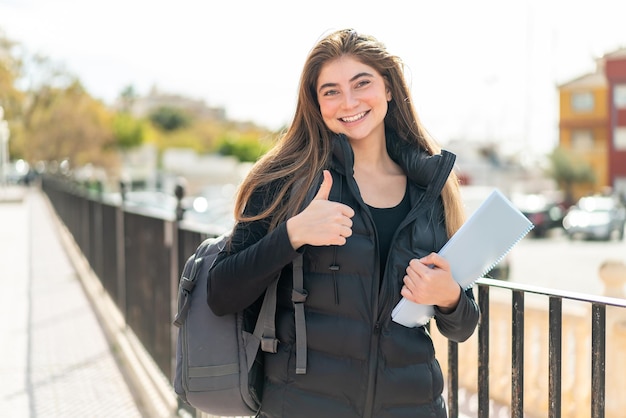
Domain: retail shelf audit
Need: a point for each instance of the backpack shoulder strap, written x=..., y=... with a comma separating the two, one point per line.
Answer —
x=298, y=297
x=265, y=328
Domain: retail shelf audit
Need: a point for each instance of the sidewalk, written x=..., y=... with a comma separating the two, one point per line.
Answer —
x=54, y=358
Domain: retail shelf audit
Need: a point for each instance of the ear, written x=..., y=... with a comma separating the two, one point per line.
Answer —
x=388, y=94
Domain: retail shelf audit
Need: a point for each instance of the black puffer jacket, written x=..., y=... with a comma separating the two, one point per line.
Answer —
x=360, y=363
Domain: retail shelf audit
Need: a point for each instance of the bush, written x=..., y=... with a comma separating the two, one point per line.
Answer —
x=245, y=149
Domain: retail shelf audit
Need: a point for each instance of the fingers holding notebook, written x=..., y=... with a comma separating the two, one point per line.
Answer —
x=429, y=281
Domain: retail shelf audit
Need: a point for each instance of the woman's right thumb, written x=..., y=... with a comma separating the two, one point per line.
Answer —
x=327, y=184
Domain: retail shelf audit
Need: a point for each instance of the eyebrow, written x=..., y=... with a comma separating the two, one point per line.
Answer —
x=362, y=74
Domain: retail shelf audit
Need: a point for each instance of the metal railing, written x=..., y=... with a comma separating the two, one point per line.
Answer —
x=138, y=259
x=518, y=293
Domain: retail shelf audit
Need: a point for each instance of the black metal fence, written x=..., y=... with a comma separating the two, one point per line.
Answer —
x=138, y=259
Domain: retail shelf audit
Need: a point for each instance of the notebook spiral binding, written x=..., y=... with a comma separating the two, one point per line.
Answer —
x=504, y=254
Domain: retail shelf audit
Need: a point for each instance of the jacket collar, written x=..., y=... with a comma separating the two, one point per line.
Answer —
x=420, y=167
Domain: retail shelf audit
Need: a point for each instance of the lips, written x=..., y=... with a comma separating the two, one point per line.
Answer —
x=354, y=118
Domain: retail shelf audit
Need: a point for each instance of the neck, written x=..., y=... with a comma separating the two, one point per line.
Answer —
x=371, y=157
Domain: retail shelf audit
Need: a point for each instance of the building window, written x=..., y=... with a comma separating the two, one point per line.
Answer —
x=582, y=102
x=582, y=140
x=619, y=138
x=619, y=96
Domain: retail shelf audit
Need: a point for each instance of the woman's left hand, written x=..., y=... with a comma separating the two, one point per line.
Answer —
x=428, y=281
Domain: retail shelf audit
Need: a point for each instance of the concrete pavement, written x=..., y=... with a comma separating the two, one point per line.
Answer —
x=55, y=360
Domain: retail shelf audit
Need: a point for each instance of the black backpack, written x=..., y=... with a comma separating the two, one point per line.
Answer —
x=218, y=365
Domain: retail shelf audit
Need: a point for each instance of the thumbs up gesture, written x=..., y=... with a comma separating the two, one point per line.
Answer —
x=323, y=222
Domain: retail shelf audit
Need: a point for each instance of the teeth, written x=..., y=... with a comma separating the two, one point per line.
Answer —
x=354, y=118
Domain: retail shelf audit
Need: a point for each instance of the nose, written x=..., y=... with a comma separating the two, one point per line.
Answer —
x=350, y=100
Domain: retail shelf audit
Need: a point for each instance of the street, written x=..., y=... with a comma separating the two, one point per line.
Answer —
x=558, y=263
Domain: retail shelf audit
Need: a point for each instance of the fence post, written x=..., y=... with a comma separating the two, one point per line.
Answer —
x=179, y=192
x=120, y=246
x=175, y=270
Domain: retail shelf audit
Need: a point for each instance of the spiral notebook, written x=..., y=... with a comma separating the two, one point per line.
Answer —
x=481, y=243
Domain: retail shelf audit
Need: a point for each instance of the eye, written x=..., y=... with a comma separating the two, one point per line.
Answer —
x=330, y=92
x=362, y=83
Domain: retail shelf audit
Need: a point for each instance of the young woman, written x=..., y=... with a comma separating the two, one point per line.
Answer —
x=384, y=201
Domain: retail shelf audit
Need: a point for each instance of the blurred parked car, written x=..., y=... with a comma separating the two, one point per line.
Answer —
x=472, y=197
x=596, y=217
x=544, y=212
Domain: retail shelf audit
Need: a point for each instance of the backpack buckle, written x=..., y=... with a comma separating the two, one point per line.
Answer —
x=186, y=284
x=299, y=296
x=269, y=345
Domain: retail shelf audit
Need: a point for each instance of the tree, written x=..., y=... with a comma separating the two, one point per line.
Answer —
x=70, y=124
x=247, y=147
x=41, y=78
x=11, y=98
x=52, y=117
x=169, y=118
x=128, y=131
x=127, y=98
x=569, y=171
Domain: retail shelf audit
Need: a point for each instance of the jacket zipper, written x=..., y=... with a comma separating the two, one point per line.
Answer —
x=377, y=290
x=371, y=380
x=373, y=351
x=380, y=292
x=334, y=267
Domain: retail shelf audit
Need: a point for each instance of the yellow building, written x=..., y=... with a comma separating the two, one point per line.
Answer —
x=592, y=123
x=583, y=119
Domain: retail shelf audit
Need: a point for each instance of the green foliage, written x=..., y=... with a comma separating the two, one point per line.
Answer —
x=67, y=123
x=52, y=117
x=181, y=138
x=128, y=131
x=246, y=148
x=566, y=168
x=11, y=99
x=169, y=118
x=568, y=171
x=127, y=97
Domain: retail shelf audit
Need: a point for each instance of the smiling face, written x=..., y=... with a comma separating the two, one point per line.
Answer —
x=353, y=98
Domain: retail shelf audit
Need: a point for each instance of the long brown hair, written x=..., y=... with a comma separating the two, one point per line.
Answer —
x=304, y=149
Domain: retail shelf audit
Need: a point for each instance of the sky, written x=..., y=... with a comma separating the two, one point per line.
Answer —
x=481, y=70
